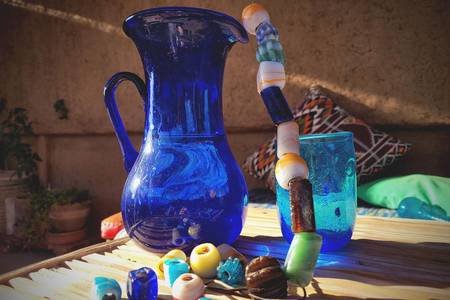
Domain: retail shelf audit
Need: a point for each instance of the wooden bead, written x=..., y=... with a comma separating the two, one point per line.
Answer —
x=288, y=138
x=288, y=167
x=265, y=278
x=188, y=287
x=204, y=260
x=253, y=15
x=270, y=74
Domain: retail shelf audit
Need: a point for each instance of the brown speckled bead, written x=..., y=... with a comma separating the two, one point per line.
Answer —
x=265, y=278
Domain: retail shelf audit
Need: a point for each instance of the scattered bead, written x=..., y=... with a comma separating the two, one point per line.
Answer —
x=288, y=167
x=231, y=271
x=287, y=138
x=188, y=287
x=270, y=50
x=265, y=278
x=142, y=284
x=159, y=267
x=266, y=31
x=111, y=226
x=253, y=15
x=204, y=260
x=176, y=253
x=276, y=105
x=302, y=257
x=174, y=268
x=105, y=288
x=271, y=73
x=227, y=251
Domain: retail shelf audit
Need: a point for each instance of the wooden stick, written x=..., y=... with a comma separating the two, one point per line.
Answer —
x=59, y=260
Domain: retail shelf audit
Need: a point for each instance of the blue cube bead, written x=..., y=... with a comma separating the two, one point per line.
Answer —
x=106, y=288
x=276, y=105
x=231, y=271
x=142, y=284
x=266, y=31
x=174, y=268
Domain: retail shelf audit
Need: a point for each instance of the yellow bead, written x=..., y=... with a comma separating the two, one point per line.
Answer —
x=159, y=267
x=176, y=253
x=204, y=260
x=288, y=167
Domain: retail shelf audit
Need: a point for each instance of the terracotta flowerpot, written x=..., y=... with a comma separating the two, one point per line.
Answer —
x=65, y=238
x=69, y=217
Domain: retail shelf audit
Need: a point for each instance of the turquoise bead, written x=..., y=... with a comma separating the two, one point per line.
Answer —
x=270, y=50
x=231, y=271
x=174, y=268
x=105, y=288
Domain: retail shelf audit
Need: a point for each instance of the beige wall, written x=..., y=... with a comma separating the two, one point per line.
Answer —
x=389, y=58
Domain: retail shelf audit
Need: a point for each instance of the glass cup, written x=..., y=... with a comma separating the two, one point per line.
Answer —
x=331, y=162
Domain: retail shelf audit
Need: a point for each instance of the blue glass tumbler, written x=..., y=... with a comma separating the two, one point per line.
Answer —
x=331, y=162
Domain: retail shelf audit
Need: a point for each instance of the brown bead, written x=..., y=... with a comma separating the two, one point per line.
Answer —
x=265, y=278
x=302, y=206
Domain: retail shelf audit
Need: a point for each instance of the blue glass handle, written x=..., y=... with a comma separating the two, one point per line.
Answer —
x=129, y=153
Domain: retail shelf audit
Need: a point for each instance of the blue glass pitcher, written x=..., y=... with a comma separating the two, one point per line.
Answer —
x=184, y=186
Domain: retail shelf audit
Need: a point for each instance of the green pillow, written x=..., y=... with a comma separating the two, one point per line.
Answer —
x=390, y=192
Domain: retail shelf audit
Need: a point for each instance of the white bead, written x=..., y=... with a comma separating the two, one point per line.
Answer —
x=258, y=81
x=271, y=73
x=188, y=287
x=289, y=167
x=287, y=138
x=253, y=15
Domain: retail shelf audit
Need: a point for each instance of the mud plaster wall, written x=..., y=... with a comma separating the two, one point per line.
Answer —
x=390, y=59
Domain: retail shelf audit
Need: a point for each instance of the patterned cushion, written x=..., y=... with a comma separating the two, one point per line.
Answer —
x=319, y=114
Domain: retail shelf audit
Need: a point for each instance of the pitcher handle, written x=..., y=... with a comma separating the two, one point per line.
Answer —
x=128, y=152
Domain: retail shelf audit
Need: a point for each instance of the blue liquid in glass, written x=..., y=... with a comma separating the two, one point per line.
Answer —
x=331, y=163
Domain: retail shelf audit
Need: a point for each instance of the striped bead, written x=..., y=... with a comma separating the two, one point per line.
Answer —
x=270, y=50
x=287, y=138
x=270, y=74
x=266, y=31
x=288, y=167
x=276, y=105
x=253, y=15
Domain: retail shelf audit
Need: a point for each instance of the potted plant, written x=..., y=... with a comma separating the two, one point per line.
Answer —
x=69, y=210
x=57, y=217
x=18, y=163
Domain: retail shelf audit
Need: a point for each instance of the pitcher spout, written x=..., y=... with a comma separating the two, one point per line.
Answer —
x=183, y=50
x=147, y=24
